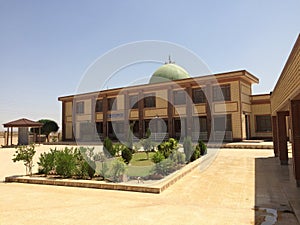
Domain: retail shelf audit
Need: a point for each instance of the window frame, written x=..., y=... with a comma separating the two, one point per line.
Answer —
x=97, y=106
x=147, y=98
x=178, y=100
x=80, y=107
x=268, y=128
x=225, y=90
x=200, y=100
x=134, y=105
x=112, y=104
x=228, y=122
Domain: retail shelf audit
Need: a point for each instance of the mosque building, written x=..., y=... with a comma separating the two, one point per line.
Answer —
x=173, y=104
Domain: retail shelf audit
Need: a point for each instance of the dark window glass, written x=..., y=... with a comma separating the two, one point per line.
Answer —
x=133, y=102
x=223, y=123
x=149, y=101
x=99, y=127
x=99, y=106
x=221, y=93
x=112, y=104
x=80, y=107
x=179, y=98
x=199, y=96
x=263, y=123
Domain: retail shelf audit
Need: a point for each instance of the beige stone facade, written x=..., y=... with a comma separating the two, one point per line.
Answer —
x=285, y=109
x=186, y=107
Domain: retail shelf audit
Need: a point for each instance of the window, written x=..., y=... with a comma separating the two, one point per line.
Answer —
x=149, y=101
x=80, y=107
x=199, y=124
x=223, y=123
x=99, y=127
x=99, y=106
x=133, y=102
x=221, y=93
x=199, y=96
x=112, y=104
x=263, y=123
x=179, y=98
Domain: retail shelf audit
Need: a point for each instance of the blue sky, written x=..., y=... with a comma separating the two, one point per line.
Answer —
x=46, y=46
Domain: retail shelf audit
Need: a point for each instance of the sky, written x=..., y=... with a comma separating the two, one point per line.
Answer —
x=47, y=46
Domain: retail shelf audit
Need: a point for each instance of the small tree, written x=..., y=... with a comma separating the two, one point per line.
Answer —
x=108, y=149
x=147, y=143
x=25, y=154
x=118, y=169
x=188, y=148
x=48, y=127
x=126, y=155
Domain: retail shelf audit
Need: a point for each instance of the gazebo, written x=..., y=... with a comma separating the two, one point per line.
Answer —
x=23, y=134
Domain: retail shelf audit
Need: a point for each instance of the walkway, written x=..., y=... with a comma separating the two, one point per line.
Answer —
x=225, y=193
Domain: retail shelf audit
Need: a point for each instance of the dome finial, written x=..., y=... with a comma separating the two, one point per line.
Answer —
x=170, y=61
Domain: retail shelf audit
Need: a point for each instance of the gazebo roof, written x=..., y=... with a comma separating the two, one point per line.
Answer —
x=23, y=123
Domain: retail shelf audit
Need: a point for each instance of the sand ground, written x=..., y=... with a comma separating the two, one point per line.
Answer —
x=225, y=193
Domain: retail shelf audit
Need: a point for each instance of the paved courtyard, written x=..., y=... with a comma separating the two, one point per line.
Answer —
x=225, y=193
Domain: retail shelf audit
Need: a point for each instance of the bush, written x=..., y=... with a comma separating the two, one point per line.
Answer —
x=157, y=157
x=202, y=147
x=195, y=154
x=108, y=149
x=85, y=167
x=188, y=147
x=178, y=157
x=126, y=155
x=147, y=145
x=25, y=154
x=165, y=167
x=47, y=161
x=65, y=162
x=118, y=148
x=104, y=170
x=118, y=169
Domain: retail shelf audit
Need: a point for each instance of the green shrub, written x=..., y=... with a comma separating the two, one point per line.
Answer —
x=108, y=149
x=165, y=167
x=147, y=145
x=203, y=147
x=126, y=155
x=165, y=149
x=173, y=143
x=195, y=154
x=85, y=163
x=178, y=157
x=104, y=170
x=118, y=169
x=188, y=147
x=47, y=161
x=117, y=148
x=25, y=154
x=157, y=157
x=66, y=162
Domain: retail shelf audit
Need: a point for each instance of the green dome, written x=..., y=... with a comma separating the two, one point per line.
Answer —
x=168, y=72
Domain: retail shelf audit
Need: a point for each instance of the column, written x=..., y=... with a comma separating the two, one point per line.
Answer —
x=208, y=95
x=189, y=111
x=275, y=137
x=141, y=113
x=126, y=115
x=105, y=109
x=295, y=112
x=170, y=113
x=282, y=137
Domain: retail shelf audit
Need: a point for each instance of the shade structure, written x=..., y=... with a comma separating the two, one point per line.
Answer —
x=21, y=124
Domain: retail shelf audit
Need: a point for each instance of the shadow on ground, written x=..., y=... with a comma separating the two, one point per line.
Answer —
x=277, y=199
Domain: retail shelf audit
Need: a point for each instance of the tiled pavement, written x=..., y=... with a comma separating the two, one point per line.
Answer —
x=234, y=189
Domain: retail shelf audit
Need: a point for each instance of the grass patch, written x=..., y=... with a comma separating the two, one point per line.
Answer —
x=140, y=159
